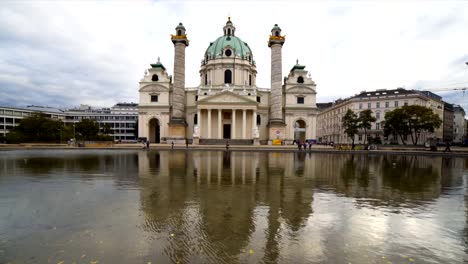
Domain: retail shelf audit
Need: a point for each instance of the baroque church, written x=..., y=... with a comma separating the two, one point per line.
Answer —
x=227, y=105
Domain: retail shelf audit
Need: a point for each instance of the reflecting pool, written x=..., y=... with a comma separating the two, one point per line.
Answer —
x=135, y=206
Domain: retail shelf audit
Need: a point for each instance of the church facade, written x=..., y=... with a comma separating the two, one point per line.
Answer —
x=227, y=104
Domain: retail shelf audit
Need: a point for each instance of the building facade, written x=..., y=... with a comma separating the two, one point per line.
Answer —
x=122, y=118
x=227, y=104
x=381, y=101
x=458, y=125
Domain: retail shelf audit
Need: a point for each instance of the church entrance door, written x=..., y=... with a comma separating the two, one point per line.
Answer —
x=299, y=131
x=154, y=133
x=227, y=131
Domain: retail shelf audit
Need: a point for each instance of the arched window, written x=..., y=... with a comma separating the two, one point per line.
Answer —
x=259, y=120
x=300, y=79
x=277, y=33
x=155, y=78
x=179, y=32
x=206, y=79
x=227, y=76
x=250, y=80
x=229, y=31
x=195, y=119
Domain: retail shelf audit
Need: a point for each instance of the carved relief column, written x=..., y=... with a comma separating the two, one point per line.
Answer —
x=233, y=124
x=177, y=123
x=276, y=123
x=220, y=136
x=244, y=124
x=209, y=123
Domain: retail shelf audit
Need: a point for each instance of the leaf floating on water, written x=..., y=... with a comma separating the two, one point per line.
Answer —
x=411, y=259
x=60, y=262
x=94, y=262
x=172, y=234
x=251, y=251
x=82, y=256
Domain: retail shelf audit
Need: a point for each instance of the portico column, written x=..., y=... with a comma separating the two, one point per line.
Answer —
x=233, y=123
x=199, y=121
x=244, y=124
x=209, y=123
x=254, y=120
x=219, y=124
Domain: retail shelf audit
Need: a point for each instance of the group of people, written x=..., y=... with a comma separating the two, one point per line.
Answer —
x=304, y=144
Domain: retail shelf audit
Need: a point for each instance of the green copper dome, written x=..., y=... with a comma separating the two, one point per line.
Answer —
x=239, y=47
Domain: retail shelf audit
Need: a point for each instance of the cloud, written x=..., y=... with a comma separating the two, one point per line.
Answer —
x=67, y=53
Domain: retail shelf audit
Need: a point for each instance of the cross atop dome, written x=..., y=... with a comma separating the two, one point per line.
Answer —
x=229, y=29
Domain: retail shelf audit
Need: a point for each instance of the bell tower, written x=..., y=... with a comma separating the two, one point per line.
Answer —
x=177, y=124
x=276, y=123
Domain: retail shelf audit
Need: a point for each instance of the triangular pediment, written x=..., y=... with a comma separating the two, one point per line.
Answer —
x=227, y=97
x=153, y=88
x=301, y=90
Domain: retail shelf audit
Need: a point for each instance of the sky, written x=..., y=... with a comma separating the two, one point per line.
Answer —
x=67, y=53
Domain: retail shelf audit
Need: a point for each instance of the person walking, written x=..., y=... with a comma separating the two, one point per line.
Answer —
x=227, y=144
x=186, y=143
x=447, y=147
x=172, y=145
x=147, y=144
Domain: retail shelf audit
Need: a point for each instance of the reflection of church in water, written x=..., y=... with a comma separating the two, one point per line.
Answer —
x=218, y=196
x=227, y=104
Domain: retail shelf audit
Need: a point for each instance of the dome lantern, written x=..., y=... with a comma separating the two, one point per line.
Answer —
x=229, y=28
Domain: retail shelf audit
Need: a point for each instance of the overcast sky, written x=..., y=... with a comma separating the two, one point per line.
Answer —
x=95, y=52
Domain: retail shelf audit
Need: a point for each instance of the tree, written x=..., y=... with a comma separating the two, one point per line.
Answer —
x=396, y=123
x=350, y=124
x=365, y=121
x=421, y=119
x=411, y=120
x=36, y=128
x=87, y=129
x=106, y=129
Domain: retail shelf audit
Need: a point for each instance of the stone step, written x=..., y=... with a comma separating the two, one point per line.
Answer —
x=205, y=141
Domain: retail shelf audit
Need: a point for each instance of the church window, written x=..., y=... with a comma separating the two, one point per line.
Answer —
x=196, y=98
x=250, y=80
x=229, y=31
x=206, y=79
x=259, y=120
x=228, y=53
x=155, y=78
x=195, y=119
x=258, y=99
x=227, y=76
x=277, y=33
x=154, y=98
x=300, y=79
x=179, y=32
x=300, y=100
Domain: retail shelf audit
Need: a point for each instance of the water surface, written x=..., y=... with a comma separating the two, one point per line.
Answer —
x=231, y=207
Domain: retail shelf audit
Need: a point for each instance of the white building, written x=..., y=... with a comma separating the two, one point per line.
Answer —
x=122, y=117
x=227, y=104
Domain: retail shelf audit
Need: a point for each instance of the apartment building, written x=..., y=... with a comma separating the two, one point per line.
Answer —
x=329, y=120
